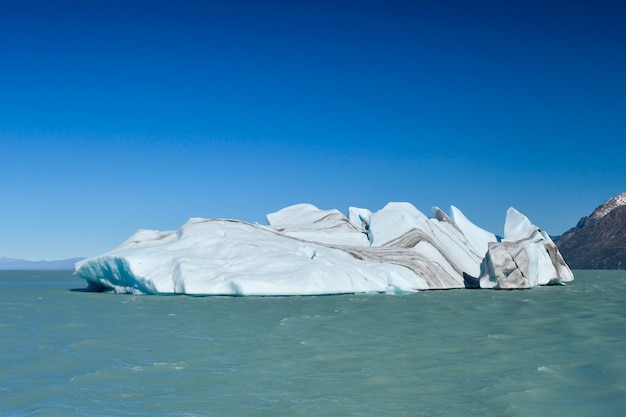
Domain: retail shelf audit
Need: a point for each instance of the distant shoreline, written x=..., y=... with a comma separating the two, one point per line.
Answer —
x=13, y=264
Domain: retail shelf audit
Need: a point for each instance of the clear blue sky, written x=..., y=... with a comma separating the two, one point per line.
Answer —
x=121, y=115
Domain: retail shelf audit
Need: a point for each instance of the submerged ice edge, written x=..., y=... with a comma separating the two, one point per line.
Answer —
x=307, y=251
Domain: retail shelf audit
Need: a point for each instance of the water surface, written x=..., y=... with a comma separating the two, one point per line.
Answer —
x=549, y=351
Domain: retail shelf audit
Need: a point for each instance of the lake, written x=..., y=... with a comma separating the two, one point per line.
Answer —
x=548, y=351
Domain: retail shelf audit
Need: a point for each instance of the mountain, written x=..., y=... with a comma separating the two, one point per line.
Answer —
x=15, y=264
x=599, y=240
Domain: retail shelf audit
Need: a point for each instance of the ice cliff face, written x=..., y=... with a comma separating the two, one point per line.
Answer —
x=308, y=251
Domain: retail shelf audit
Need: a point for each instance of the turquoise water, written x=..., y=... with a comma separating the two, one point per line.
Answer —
x=549, y=351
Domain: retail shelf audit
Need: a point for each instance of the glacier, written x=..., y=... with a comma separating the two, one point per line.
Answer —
x=304, y=250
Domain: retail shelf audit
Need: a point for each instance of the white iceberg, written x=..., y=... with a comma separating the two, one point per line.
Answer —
x=307, y=251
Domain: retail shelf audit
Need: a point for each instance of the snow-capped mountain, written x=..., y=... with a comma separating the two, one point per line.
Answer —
x=599, y=240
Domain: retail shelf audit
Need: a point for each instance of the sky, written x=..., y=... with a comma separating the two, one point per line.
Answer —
x=124, y=115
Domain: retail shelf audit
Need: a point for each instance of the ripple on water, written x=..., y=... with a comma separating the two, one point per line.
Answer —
x=549, y=351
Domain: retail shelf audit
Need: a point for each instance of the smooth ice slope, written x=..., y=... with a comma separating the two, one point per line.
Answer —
x=308, y=251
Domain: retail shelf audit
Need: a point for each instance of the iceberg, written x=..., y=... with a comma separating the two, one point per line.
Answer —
x=304, y=250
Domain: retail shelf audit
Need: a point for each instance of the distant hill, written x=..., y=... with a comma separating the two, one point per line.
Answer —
x=21, y=264
x=599, y=240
